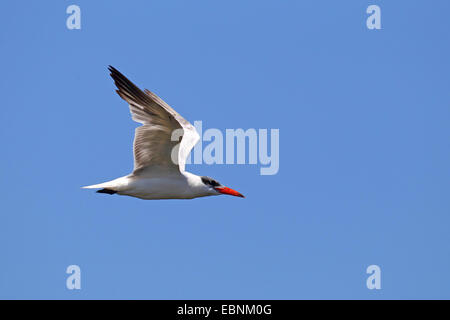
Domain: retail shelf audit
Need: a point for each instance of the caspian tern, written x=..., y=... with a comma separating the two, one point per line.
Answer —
x=155, y=175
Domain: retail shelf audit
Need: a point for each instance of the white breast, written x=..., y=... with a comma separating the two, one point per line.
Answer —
x=181, y=186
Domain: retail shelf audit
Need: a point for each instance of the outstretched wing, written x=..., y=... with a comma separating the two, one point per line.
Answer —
x=153, y=145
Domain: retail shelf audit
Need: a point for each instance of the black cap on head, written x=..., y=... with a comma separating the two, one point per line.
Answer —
x=210, y=182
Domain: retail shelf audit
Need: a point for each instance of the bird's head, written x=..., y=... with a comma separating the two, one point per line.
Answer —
x=216, y=188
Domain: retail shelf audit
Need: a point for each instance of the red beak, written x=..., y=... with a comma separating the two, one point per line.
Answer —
x=229, y=191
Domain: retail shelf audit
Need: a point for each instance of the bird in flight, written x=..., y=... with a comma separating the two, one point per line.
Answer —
x=157, y=173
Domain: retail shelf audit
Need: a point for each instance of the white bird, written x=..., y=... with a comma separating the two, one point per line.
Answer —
x=155, y=174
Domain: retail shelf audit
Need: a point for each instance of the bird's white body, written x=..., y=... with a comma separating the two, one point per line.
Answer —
x=181, y=185
x=159, y=159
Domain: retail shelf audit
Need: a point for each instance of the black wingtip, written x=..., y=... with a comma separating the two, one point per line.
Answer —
x=112, y=69
x=114, y=73
x=127, y=90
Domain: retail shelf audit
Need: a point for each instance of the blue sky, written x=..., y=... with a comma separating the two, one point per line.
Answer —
x=364, y=150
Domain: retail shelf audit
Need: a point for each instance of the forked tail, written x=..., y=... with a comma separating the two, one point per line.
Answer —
x=106, y=187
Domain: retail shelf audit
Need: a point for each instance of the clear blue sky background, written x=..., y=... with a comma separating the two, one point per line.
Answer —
x=364, y=149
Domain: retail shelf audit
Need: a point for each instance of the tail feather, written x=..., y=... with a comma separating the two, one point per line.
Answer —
x=109, y=187
x=98, y=186
x=104, y=188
